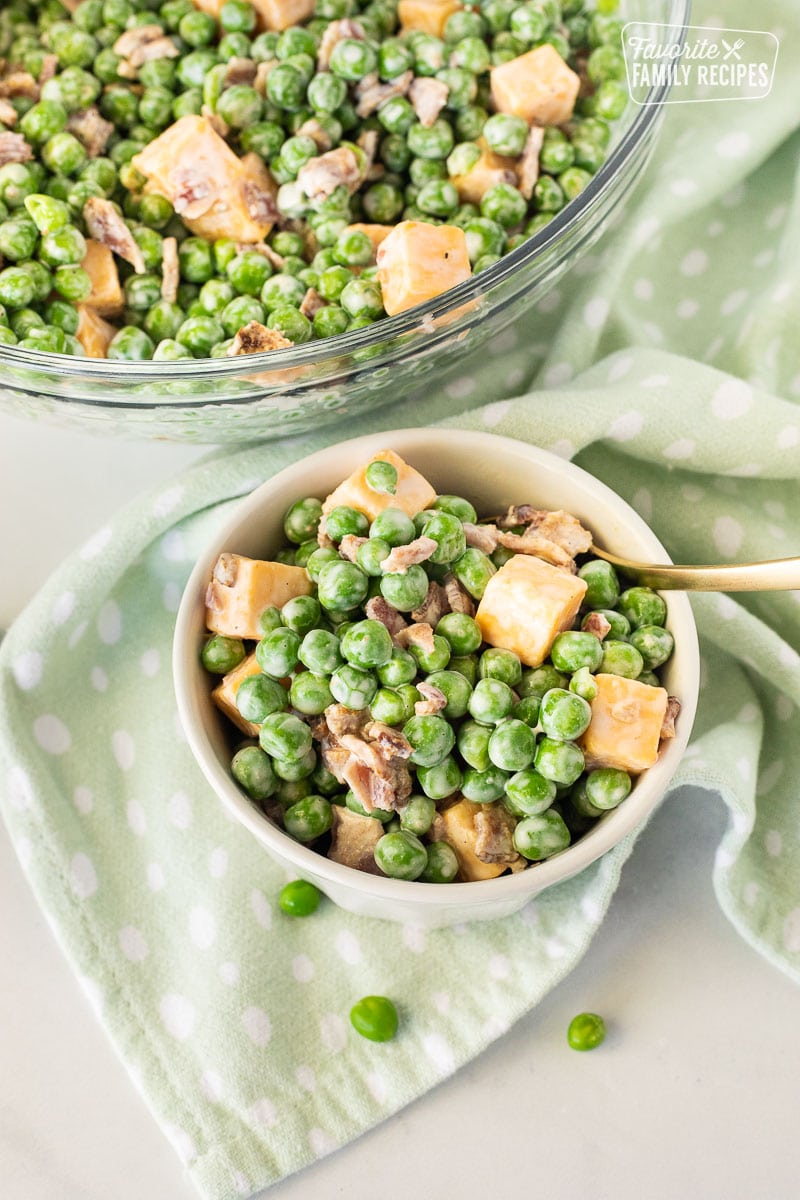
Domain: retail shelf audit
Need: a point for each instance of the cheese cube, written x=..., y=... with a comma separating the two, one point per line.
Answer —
x=94, y=334
x=489, y=169
x=413, y=490
x=429, y=16
x=537, y=86
x=418, y=261
x=456, y=826
x=211, y=188
x=270, y=14
x=106, y=294
x=376, y=233
x=526, y=605
x=212, y=7
x=625, y=728
x=224, y=694
x=241, y=588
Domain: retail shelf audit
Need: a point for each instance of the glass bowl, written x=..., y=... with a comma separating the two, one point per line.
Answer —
x=292, y=391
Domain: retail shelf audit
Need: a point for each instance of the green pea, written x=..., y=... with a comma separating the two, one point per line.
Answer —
x=388, y=706
x=381, y=476
x=320, y=651
x=642, y=606
x=367, y=644
x=301, y=614
x=400, y=669
x=352, y=687
x=564, y=715
x=620, y=626
x=440, y=781
x=325, y=783
x=432, y=739
x=341, y=585
x=607, y=787
x=491, y=701
x=473, y=744
x=541, y=836
x=310, y=693
x=416, y=816
x=344, y=520
x=512, y=745
x=650, y=678
x=221, y=654
x=602, y=584
x=466, y=665
x=560, y=762
x=375, y=1018
x=400, y=855
x=394, y=527
x=308, y=819
x=572, y=651
x=257, y=697
x=319, y=559
x=460, y=631
x=583, y=684
x=528, y=793
x=284, y=736
x=457, y=692
x=430, y=661
x=299, y=898
x=506, y=134
x=538, y=680
x=586, y=1031
x=473, y=570
x=277, y=652
x=500, y=664
x=351, y=60
x=128, y=344
x=621, y=658
x=654, y=643
x=252, y=768
x=581, y=803
x=484, y=787
x=270, y=619
x=448, y=533
x=296, y=769
x=407, y=591
x=371, y=554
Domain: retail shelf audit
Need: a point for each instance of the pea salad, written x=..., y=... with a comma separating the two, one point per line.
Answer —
x=187, y=179
x=425, y=695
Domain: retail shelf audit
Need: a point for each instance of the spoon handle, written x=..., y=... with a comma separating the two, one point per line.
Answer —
x=782, y=574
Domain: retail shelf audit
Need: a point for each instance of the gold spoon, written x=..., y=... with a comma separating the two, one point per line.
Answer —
x=781, y=574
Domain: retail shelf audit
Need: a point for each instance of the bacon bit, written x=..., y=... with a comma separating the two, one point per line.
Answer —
x=528, y=165
x=368, y=142
x=277, y=260
x=434, y=606
x=319, y=177
x=482, y=537
x=19, y=83
x=255, y=338
x=377, y=781
x=91, y=129
x=670, y=716
x=517, y=514
x=262, y=71
x=323, y=540
x=435, y=700
x=142, y=44
x=392, y=743
x=371, y=93
x=336, y=32
x=401, y=558
x=215, y=121
x=563, y=529
x=531, y=542
x=50, y=64
x=419, y=634
x=341, y=720
x=170, y=270
x=14, y=149
x=597, y=624
x=8, y=114
x=259, y=202
x=312, y=129
x=428, y=96
x=378, y=609
x=494, y=828
x=458, y=597
x=312, y=303
x=357, y=775
x=350, y=545
x=193, y=192
x=105, y=225
x=239, y=70
x=365, y=752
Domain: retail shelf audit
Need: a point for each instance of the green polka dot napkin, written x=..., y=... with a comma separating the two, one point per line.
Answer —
x=666, y=364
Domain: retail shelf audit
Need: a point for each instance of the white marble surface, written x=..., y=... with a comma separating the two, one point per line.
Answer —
x=693, y=1095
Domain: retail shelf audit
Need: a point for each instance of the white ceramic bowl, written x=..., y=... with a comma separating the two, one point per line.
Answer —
x=493, y=472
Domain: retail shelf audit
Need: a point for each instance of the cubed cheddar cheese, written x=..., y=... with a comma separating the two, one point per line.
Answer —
x=428, y=16
x=489, y=170
x=412, y=495
x=270, y=14
x=526, y=604
x=456, y=826
x=94, y=334
x=376, y=233
x=537, y=86
x=190, y=159
x=418, y=261
x=224, y=694
x=106, y=294
x=625, y=728
x=241, y=588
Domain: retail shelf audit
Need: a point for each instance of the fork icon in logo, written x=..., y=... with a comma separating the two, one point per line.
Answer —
x=733, y=49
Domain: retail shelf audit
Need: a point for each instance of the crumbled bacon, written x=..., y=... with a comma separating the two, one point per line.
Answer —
x=371, y=93
x=597, y=624
x=19, y=83
x=193, y=192
x=528, y=165
x=262, y=71
x=143, y=43
x=434, y=700
x=428, y=96
x=378, y=609
x=215, y=121
x=341, y=720
x=272, y=256
x=319, y=177
x=49, y=64
x=8, y=114
x=400, y=558
x=312, y=302
x=312, y=129
x=336, y=32
x=240, y=70
x=494, y=828
x=517, y=514
x=563, y=529
x=368, y=143
x=259, y=202
x=376, y=771
x=350, y=545
x=670, y=716
x=392, y=743
x=434, y=606
x=91, y=129
x=532, y=542
x=482, y=537
x=458, y=597
x=420, y=634
x=170, y=270
x=105, y=224
x=255, y=338
x=14, y=149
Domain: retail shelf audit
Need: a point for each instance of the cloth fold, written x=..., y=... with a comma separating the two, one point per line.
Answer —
x=666, y=364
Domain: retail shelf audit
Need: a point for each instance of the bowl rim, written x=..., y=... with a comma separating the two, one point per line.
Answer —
x=341, y=345
x=610, y=830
